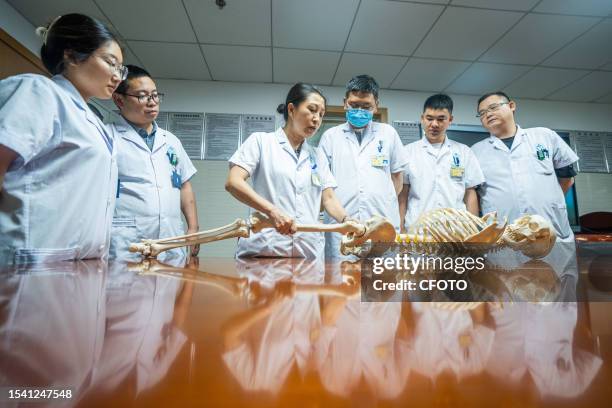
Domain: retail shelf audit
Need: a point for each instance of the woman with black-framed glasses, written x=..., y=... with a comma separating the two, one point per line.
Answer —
x=58, y=175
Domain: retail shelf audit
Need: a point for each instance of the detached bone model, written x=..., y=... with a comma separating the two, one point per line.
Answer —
x=530, y=234
x=375, y=230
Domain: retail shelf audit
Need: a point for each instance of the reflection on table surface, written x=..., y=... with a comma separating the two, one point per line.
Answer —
x=280, y=332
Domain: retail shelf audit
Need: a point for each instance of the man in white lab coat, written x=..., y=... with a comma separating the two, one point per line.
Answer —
x=440, y=172
x=154, y=170
x=366, y=158
x=527, y=171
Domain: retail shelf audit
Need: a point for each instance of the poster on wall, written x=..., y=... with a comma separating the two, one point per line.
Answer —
x=608, y=144
x=255, y=123
x=408, y=131
x=590, y=149
x=188, y=127
x=222, y=135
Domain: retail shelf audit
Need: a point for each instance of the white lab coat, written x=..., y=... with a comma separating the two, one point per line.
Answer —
x=285, y=180
x=148, y=206
x=364, y=189
x=519, y=183
x=429, y=175
x=58, y=195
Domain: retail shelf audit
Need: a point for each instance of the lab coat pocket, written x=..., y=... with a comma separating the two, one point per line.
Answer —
x=123, y=233
x=35, y=255
x=124, y=222
x=545, y=167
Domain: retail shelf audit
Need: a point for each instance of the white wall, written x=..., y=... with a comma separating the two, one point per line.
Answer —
x=19, y=28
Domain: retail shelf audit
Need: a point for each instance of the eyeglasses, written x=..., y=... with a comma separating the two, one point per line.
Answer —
x=115, y=69
x=142, y=99
x=491, y=108
x=364, y=107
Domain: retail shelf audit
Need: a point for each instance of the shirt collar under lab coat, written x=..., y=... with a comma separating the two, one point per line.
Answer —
x=78, y=100
x=518, y=139
x=368, y=133
x=127, y=131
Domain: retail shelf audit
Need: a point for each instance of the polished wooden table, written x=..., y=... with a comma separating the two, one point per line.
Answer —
x=289, y=332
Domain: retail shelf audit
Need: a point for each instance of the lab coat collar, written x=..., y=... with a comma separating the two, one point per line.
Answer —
x=78, y=100
x=498, y=144
x=445, y=148
x=368, y=134
x=282, y=139
x=127, y=131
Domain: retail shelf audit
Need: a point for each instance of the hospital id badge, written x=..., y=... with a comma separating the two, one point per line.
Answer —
x=380, y=160
x=315, y=179
x=176, y=179
x=456, y=173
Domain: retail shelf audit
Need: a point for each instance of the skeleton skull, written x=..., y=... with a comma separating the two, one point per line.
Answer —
x=531, y=234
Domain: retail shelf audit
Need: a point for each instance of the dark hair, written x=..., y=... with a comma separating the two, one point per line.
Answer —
x=133, y=73
x=439, y=102
x=362, y=83
x=298, y=94
x=78, y=34
x=485, y=96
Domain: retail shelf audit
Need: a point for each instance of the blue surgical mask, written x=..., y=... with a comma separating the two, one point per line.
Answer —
x=359, y=117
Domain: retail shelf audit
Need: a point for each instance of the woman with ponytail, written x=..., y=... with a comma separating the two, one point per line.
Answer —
x=291, y=180
x=58, y=176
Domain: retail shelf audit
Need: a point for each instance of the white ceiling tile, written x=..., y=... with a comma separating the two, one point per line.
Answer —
x=313, y=24
x=579, y=7
x=317, y=67
x=606, y=98
x=595, y=85
x=465, y=33
x=542, y=81
x=428, y=75
x=227, y=63
x=240, y=22
x=519, y=5
x=390, y=27
x=382, y=67
x=43, y=12
x=129, y=57
x=536, y=37
x=177, y=61
x=591, y=50
x=149, y=20
x=481, y=78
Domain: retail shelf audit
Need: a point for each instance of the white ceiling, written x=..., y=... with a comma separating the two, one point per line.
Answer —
x=539, y=49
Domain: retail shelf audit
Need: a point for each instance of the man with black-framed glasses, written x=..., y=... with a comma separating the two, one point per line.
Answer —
x=527, y=171
x=154, y=170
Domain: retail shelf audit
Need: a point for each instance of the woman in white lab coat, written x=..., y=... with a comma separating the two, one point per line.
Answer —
x=58, y=176
x=291, y=180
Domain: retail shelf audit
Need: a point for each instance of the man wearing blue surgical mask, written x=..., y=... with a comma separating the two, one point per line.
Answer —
x=366, y=158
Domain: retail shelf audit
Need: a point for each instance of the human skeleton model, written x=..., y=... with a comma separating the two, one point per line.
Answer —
x=452, y=231
x=459, y=229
